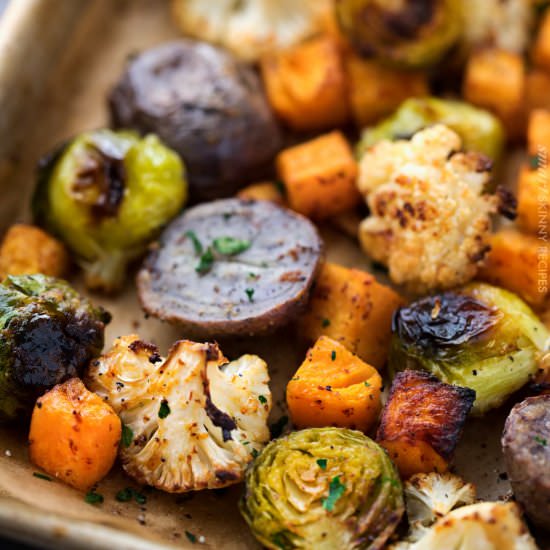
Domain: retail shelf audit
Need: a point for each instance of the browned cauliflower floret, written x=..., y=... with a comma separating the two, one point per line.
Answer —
x=192, y=421
x=430, y=217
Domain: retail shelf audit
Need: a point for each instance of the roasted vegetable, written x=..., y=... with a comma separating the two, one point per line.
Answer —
x=192, y=421
x=538, y=135
x=541, y=48
x=533, y=198
x=264, y=191
x=74, y=435
x=526, y=448
x=537, y=83
x=481, y=337
x=486, y=525
x=351, y=307
x=518, y=262
x=422, y=422
x=319, y=176
x=429, y=216
x=306, y=85
x=106, y=195
x=478, y=129
x=404, y=33
x=207, y=106
x=333, y=387
x=251, y=28
x=376, y=90
x=322, y=488
x=27, y=250
x=48, y=334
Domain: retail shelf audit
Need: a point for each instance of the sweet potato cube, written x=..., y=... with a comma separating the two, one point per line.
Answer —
x=27, y=250
x=74, y=434
x=519, y=263
x=263, y=191
x=534, y=199
x=319, y=176
x=537, y=85
x=333, y=387
x=541, y=48
x=375, y=91
x=538, y=134
x=422, y=422
x=306, y=84
x=351, y=307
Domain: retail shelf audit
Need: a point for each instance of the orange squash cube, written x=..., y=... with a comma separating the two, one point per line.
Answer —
x=541, y=47
x=538, y=134
x=537, y=85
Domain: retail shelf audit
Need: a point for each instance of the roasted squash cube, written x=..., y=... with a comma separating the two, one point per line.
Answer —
x=422, y=422
x=541, y=47
x=537, y=85
x=518, y=262
x=534, y=199
x=333, y=387
x=306, y=84
x=319, y=176
x=375, y=90
x=351, y=307
x=263, y=191
x=538, y=135
x=27, y=250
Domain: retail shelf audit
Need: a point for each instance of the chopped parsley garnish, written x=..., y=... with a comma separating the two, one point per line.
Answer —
x=325, y=323
x=127, y=435
x=139, y=498
x=541, y=440
x=127, y=494
x=254, y=453
x=391, y=480
x=42, y=476
x=333, y=355
x=279, y=541
x=335, y=490
x=190, y=537
x=93, y=498
x=280, y=185
x=196, y=243
x=322, y=463
x=164, y=409
x=250, y=294
x=205, y=262
x=367, y=384
x=228, y=246
x=534, y=162
x=262, y=399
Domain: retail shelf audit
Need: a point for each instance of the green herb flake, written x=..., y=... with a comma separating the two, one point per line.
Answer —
x=190, y=537
x=140, y=498
x=325, y=323
x=197, y=245
x=164, y=409
x=534, y=162
x=333, y=355
x=254, y=453
x=262, y=399
x=125, y=495
x=250, y=294
x=279, y=540
x=205, y=262
x=322, y=463
x=42, y=476
x=127, y=435
x=93, y=498
x=391, y=480
x=228, y=246
x=366, y=384
x=335, y=490
x=541, y=440
x=281, y=187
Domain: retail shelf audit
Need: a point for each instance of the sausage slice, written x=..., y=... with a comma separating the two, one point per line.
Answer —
x=231, y=267
x=526, y=446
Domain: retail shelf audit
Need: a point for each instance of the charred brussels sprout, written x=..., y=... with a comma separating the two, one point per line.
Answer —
x=323, y=488
x=482, y=337
x=479, y=130
x=407, y=33
x=107, y=194
x=48, y=333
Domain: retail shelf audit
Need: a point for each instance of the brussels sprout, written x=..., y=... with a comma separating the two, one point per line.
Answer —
x=479, y=130
x=323, y=488
x=107, y=194
x=405, y=33
x=48, y=333
x=481, y=337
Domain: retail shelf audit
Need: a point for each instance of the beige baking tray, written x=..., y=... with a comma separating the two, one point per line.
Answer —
x=58, y=58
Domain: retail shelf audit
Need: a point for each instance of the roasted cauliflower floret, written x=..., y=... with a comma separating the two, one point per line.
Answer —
x=430, y=217
x=192, y=421
x=487, y=525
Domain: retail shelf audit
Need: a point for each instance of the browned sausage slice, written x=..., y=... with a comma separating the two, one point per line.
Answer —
x=231, y=267
x=526, y=445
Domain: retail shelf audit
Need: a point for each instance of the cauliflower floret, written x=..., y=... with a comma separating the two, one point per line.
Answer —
x=250, y=28
x=193, y=421
x=431, y=496
x=486, y=525
x=429, y=219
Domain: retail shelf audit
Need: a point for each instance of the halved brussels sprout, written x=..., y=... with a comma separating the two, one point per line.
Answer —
x=323, y=488
x=106, y=195
x=402, y=32
x=481, y=337
x=479, y=130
